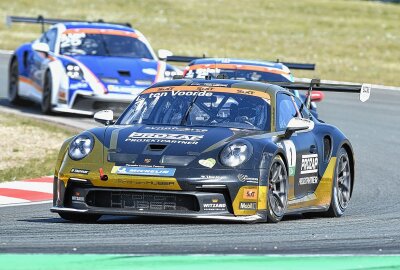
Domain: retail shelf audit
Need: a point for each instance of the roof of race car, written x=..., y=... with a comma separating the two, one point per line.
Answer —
x=270, y=89
x=234, y=61
x=75, y=25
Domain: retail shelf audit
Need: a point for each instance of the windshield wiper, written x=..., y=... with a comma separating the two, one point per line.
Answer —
x=105, y=45
x=184, y=119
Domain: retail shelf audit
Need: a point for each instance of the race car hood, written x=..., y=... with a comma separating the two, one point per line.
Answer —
x=140, y=144
x=126, y=70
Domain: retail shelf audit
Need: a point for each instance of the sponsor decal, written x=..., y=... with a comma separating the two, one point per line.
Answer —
x=78, y=198
x=125, y=170
x=250, y=193
x=178, y=129
x=210, y=176
x=164, y=138
x=248, y=206
x=71, y=39
x=309, y=163
x=144, y=165
x=214, y=206
x=201, y=93
x=308, y=180
x=209, y=84
x=214, y=200
x=209, y=162
x=123, y=89
x=156, y=183
x=246, y=178
x=290, y=150
x=74, y=86
x=79, y=171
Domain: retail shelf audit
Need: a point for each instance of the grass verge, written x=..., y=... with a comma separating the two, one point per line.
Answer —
x=29, y=147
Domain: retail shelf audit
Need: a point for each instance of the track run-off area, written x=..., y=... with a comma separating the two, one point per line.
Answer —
x=370, y=224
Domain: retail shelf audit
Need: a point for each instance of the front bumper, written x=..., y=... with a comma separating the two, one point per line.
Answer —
x=247, y=219
x=198, y=204
x=86, y=104
x=116, y=103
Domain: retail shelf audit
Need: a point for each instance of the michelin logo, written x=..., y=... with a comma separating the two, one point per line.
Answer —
x=143, y=171
x=309, y=164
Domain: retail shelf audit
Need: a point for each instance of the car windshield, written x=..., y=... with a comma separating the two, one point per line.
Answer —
x=239, y=74
x=81, y=43
x=199, y=108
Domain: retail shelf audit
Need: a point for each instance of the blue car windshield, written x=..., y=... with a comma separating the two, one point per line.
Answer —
x=203, y=109
x=103, y=45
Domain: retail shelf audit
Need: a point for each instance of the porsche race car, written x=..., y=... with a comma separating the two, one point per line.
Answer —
x=83, y=67
x=208, y=149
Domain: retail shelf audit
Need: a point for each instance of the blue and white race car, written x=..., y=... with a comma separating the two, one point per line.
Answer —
x=83, y=67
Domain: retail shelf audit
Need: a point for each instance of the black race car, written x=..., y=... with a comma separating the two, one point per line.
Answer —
x=220, y=149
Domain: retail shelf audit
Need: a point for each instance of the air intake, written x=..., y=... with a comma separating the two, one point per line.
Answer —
x=156, y=147
x=124, y=73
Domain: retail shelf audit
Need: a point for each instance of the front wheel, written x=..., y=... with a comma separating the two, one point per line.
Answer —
x=46, y=96
x=341, y=191
x=13, y=82
x=277, y=196
x=79, y=217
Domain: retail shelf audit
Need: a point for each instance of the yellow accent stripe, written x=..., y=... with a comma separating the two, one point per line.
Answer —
x=323, y=194
x=262, y=197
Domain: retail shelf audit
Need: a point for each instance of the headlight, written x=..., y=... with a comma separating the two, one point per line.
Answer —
x=236, y=153
x=74, y=72
x=81, y=146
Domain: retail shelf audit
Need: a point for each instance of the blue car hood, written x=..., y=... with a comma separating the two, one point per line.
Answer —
x=125, y=69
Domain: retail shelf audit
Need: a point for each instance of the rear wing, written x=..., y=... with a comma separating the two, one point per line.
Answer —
x=363, y=89
x=41, y=20
x=187, y=59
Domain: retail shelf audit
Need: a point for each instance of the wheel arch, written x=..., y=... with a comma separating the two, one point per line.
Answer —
x=348, y=148
x=56, y=70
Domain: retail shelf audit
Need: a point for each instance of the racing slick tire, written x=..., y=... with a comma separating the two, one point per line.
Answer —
x=341, y=190
x=13, y=95
x=78, y=217
x=46, y=97
x=277, y=196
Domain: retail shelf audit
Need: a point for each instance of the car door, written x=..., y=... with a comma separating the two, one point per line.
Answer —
x=38, y=61
x=301, y=148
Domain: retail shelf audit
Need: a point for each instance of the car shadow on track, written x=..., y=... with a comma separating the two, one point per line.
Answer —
x=147, y=220
x=32, y=108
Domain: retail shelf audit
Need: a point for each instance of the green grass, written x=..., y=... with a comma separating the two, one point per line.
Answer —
x=126, y=262
x=29, y=147
x=348, y=40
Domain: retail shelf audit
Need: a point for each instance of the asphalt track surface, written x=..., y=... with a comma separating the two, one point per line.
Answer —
x=371, y=224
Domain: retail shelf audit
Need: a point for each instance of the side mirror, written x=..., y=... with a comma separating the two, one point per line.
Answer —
x=163, y=54
x=317, y=96
x=105, y=117
x=298, y=124
x=41, y=47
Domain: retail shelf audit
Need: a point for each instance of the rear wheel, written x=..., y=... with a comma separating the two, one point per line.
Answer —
x=13, y=95
x=78, y=217
x=277, y=196
x=341, y=191
x=46, y=97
